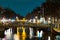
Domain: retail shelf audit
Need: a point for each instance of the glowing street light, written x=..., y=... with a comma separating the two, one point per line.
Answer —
x=3, y=20
x=34, y=21
x=42, y=19
x=17, y=18
x=30, y=20
x=9, y=19
x=12, y=20
x=49, y=18
x=36, y=17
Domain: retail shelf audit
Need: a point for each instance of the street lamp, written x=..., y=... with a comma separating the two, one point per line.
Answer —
x=42, y=19
x=3, y=20
x=17, y=19
x=49, y=18
x=34, y=20
x=36, y=17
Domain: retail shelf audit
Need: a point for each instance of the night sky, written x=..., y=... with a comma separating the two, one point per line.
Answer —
x=21, y=7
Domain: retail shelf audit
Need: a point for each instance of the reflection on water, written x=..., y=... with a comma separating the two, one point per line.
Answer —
x=39, y=34
x=8, y=34
x=16, y=37
x=57, y=37
x=49, y=38
x=22, y=35
x=18, y=34
x=31, y=32
x=23, y=38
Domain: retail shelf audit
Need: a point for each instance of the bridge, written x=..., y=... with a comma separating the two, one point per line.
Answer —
x=24, y=24
x=36, y=26
x=48, y=29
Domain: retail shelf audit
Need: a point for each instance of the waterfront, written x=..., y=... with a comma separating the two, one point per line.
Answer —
x=42, y=23
x=22, y=33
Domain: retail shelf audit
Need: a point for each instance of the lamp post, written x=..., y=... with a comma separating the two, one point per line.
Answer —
x=36, y=18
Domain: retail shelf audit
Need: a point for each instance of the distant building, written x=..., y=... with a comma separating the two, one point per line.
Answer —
x=54, y=1
x=51, y=9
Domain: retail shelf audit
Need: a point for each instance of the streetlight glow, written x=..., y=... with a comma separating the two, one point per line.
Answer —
x=3, y=20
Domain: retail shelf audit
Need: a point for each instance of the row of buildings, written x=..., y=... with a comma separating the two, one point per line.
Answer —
x=49, y=9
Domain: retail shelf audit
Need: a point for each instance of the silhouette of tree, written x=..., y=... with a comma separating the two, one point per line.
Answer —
x=35, y=12
x=8, y=13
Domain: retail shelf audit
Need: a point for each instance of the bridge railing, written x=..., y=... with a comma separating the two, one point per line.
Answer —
x=24, y=24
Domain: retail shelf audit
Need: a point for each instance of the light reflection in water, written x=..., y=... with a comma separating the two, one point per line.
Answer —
x=40, y=34
x=23, y=38
x=23, y=33
x=31, y=32
x=18, y=33
x=17, y=36
x=8, y=34
x=57, y=37
x=49, y=38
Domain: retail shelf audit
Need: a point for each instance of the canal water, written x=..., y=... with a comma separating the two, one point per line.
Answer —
x=21, y=33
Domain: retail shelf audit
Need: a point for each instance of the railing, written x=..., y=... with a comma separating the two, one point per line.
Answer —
x=57, y=27
x=26, y=24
